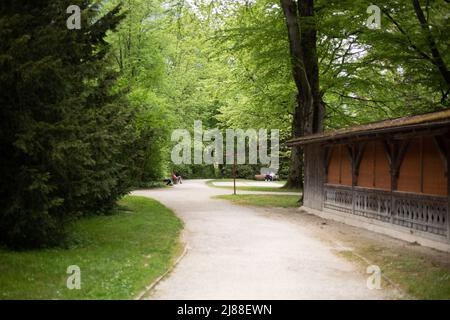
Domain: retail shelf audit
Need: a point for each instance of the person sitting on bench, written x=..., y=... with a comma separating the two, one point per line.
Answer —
x=176, y=178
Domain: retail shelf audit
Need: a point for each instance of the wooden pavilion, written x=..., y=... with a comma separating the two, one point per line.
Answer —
x=389, y=176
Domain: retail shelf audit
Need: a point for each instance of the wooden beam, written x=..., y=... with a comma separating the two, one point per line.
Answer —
x=340, y=164
x=327, y=158
x=358, y=157
x=374, y=164
x=420, y=133
x=387, y=151
x=400, y=154
x=448, y=186
x=350, y=151
x=442, y=148
x=390, y=151
x=406, y=132
x=421, y=164
x=395, y=152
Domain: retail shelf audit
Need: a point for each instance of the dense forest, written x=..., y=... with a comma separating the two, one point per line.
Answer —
x=87, y=113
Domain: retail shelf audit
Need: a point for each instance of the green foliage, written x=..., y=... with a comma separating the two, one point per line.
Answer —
x=138, y=49
x=195, y=171
x=66, y=141
x=359, y=67
x=372, y=74
x=86, y=115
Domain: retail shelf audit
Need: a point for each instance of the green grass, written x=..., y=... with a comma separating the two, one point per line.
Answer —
x=416, y=275
x=263, y=200
x=118, y=256
x=250, y=188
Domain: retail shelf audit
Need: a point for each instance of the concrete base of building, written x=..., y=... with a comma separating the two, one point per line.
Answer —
x=409, y=235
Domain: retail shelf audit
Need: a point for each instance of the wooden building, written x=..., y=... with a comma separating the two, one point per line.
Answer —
x=390, y=176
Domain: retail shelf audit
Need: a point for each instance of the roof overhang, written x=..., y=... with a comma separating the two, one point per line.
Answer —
x=436, y=123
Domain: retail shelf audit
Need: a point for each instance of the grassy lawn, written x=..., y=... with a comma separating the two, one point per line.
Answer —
x=416, y=275
x=118, y=256
x=262, y=200
x=250, y=188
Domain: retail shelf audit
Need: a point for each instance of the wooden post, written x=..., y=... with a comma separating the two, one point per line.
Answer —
x=443, y=145
x=448, y=186
x=394, y=175
x=421, y=164
x=356, y=152
x=352, y=150
x=389, y=149
x=234, y=174
x=340, y=164
x=395, y=152
x=327, y=157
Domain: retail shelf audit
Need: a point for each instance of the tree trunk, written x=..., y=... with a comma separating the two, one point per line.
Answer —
x=436, y=55
x=309, y=110
x=294, y=180
x=308, y=34
x=304, y=96
x=297, y=57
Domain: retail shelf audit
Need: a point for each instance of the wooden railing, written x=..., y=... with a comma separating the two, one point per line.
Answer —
x=421, y=212
x=414, y=211
x=338, y=198
x=375, y=204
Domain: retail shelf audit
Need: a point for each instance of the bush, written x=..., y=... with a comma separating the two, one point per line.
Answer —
x=196, y=171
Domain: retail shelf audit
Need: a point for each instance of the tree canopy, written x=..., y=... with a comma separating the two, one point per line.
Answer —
x=87, y=114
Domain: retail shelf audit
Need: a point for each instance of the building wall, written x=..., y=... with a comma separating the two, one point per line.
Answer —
x=314, y=177
x=374, y=167
x=418, y=206
x=340, y=168
x=422, y=169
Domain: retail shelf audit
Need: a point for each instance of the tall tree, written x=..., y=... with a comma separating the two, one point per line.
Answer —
x=308, y=114
x=66, y=139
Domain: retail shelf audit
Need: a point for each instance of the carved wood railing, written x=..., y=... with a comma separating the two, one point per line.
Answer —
x=375, y=204
x=338, y=198
x=421, y=212
x=414, y=211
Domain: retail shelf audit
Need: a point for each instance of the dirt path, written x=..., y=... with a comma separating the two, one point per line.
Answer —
x=237, y=252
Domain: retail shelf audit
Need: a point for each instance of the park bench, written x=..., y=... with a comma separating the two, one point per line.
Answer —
x=262, y=177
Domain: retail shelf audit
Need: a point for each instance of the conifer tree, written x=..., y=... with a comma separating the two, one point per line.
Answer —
x=66, y=141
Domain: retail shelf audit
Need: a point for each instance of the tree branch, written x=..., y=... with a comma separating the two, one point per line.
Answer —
x=411, y=44
x=437, y=58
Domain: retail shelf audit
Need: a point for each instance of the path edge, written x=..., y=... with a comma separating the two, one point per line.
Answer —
x=150, y=287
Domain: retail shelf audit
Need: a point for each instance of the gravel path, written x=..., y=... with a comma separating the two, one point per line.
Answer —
x=237, y=252
x=248, y=184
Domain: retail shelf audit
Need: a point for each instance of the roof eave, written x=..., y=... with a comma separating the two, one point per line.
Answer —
x=366, y=134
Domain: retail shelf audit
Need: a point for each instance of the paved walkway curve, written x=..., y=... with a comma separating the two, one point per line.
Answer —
x=237, y=252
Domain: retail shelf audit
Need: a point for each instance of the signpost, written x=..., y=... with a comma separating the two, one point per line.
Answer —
x=234, y=172
x=234, y=176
